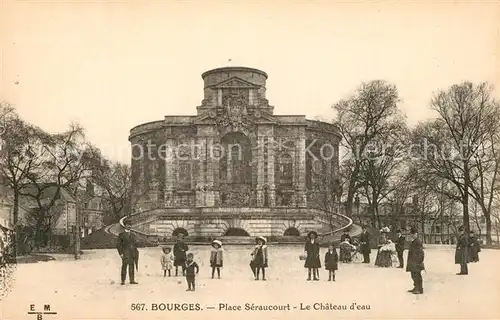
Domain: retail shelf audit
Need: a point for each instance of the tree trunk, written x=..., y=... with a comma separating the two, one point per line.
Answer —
x=488, y=229
x=349, y=201
x=77, y=229
x=15, y=212
x=465, y=202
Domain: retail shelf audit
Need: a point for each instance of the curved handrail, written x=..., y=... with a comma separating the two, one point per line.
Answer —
x=121, y=222
x=349, y=224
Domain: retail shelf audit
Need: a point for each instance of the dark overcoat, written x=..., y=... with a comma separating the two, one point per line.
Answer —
x=364, y=242
x=180, y=248
x=127, y=246
x=474, y=249
x=331, y=260
x=462, y=250
x=415, y=260
x=400, y=244
x=312, y=254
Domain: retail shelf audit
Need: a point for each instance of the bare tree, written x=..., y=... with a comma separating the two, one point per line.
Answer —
x=381, y=172
x=486, y=173
x=115, y=180
x=468, y=116
x=22, y=153
x=62, y=155
x=367, y=117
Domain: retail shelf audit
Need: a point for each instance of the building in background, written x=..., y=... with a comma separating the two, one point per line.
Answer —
x=92, y=215
x=235, y=167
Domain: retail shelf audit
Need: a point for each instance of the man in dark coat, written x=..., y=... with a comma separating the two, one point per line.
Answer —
x=400, y=248
x=462, y=252
x=364, y=241
x=415, y=262
x=127, y=249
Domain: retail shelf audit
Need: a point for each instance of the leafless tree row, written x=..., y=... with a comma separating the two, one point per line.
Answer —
x=37, y=166
x=453, y=157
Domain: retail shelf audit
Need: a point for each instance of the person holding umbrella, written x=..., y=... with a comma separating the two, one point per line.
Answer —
x=127, y=249
x=313, y=262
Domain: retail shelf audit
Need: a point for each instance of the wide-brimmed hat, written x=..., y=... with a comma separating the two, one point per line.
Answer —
x=165, y=249
x=217, y=242
x=311, y=233
x=261, y=238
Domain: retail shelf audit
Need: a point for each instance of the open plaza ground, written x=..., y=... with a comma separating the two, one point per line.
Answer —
x=90, y=288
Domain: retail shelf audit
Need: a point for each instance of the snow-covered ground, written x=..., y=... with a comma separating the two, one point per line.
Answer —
x=90, y=289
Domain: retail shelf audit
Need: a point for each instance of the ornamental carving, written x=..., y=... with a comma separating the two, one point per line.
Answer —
x=234, y=113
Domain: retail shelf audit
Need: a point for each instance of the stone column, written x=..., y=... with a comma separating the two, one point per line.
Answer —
x=170, y=155
x=301, y=172
x=141, y=184
x=200, y=174
x=270, y=171
x=260, y=171
x=210, y=197
x=153, y=185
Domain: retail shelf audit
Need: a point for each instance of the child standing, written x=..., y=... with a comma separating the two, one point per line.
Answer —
x=191, y=270
x=167, y=259
x=260, y=257
x=331, y=261
x=216, y=257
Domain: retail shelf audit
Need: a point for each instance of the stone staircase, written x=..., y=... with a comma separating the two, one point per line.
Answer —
x=328, y=232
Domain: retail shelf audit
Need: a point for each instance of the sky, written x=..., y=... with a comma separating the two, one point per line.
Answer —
x=111, y=65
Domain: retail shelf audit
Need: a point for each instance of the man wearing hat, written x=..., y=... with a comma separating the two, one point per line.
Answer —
x=400, y=248
x=313, y=262
x=127, y=249
x=364, y=241
x=415, y=262
x=462, y=252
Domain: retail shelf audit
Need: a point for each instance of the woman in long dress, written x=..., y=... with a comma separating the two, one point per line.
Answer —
x=313, y=262
x=383, y=258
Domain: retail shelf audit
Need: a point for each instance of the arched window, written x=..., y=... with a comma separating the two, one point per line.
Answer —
x=292, y=232
x=235, y=165
x=236, y=232
x=286, y=170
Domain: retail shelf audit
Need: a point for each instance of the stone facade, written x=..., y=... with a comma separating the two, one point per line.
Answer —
x=235, y=153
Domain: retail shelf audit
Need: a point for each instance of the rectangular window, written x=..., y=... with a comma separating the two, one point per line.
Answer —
x=184, y=175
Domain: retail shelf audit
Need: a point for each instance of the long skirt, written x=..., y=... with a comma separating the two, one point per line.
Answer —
x=312, y=262
x=383, y=259
x=345, y=255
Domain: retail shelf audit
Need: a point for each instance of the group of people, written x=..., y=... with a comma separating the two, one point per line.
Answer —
x=466, y=251
x=313, y=261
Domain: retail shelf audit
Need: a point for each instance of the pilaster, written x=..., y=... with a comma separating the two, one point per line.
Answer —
x=270, y=171
x=260, y=171
x=169, y=172
x=301, y=176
